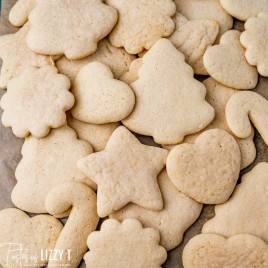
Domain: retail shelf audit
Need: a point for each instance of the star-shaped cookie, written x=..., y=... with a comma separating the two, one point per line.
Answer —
x=125, y=172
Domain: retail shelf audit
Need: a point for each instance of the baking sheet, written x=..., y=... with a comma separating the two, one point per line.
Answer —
x=10, y=147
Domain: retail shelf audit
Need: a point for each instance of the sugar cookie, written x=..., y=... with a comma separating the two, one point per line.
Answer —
x=127, y=243
x=36, y=101
x=168, y=97
x=168, y=221
x=121, y=175
x=245, y=107
x=17, y=56
x=141, y=23
x=207, y=170
x=247, y=210
x=227, y=64
x=83, y=220
x=215, y=251
x=24, y=241
x=47, y=163
x=253, y=39
x=99, y=98
x=56, y=29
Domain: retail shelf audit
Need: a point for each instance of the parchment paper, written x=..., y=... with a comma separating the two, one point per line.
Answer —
x=10, y=147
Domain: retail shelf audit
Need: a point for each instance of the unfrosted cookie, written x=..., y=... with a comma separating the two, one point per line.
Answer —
x=62, y=27
x=131, y=75
x=99, y=98
x=25, y=240
x=227, y=63
x=141, y=23
x=206, y=9
x=17, y=56
x=254, y=40
x=244, y=9
x=192, y=38
x=247, y=210
x=168, y=221
x=215, y=251
x=123, y=245
x=168, y=97
x=207, y=170
x=217, y=96
x=19, y=13
x=45, y=164
x=82, y=221
x=122, y=175
x=116, y=58
x=96, y=135
x=36, y=101
x=245, y=107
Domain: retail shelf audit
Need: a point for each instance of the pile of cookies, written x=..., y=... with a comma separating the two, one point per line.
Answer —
x=86, y=80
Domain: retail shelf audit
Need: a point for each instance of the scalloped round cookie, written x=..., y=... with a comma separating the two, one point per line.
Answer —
x=36, y=101
x=254, y=40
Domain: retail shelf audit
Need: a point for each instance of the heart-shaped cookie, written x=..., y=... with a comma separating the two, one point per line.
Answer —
x=99, y=97
x=207, y=170
x=25, y=241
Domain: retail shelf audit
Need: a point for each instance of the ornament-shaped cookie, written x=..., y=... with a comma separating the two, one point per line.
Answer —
x=141, y=23
x=227, y=63
x=207, y=170
x=118, y=244
x=247, y=210
x=121, y=175
x=36, y=101
x=24, y=241
x=99, y=98
x=47, y=163
x=56, y=29
x=168, y=221
x=168, y=97
x=212, y=250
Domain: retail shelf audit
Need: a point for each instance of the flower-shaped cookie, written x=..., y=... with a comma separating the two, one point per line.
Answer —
x=141, y=23
x=168, y=98
x=24, y=240
x=227, y=63
x=17, y=56
x=99, y=98
x=64, y=27
x=212, y=250
x=36, y=101
x=123, y=245
x=254, y=39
